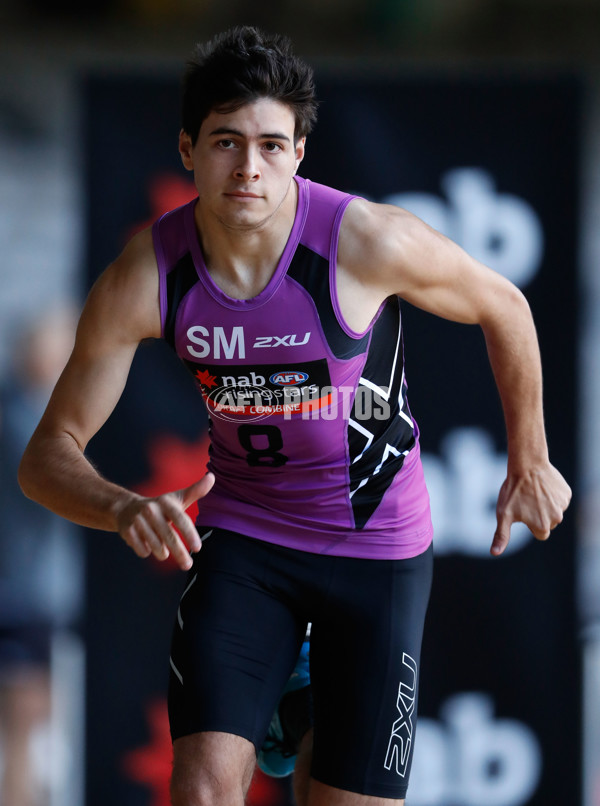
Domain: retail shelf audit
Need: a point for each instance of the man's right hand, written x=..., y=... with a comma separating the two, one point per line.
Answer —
x=161, y=526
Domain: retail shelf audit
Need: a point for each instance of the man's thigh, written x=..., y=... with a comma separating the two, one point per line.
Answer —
x=365, y=657
x=235, y=641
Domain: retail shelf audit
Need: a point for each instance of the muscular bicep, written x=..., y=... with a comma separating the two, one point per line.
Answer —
x=120, y=312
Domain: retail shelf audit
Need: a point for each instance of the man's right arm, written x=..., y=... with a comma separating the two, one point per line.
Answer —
x=122, y=310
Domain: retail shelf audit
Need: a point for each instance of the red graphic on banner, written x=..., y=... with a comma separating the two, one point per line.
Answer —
x=150, y=765
x=165, y=192
x=174, y=464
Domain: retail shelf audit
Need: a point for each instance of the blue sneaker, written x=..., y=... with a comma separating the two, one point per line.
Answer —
x=277, y=756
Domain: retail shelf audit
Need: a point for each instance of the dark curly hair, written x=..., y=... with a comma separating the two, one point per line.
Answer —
x=240, y=66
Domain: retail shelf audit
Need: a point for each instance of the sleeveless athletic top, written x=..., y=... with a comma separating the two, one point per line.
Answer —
x=313, y=445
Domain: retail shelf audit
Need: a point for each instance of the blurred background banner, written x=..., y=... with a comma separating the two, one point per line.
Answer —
x=491, y=160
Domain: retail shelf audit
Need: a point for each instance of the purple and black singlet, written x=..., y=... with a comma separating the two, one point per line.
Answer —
x=313, y=445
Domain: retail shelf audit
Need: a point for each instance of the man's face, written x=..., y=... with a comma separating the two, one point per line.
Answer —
x=244, y=162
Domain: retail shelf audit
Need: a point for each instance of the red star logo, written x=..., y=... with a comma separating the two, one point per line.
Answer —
x=206, y=379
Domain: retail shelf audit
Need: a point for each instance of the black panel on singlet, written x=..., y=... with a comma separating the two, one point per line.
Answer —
x=179, y=281
x=382, y=442
x=311, y=271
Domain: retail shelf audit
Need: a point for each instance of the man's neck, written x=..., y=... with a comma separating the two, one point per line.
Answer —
x=242, y=261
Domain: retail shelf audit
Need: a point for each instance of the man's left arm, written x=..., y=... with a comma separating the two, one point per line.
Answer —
x=534, y=491
x=408, y=258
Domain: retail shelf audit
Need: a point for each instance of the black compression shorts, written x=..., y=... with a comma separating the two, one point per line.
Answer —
x=239, y=628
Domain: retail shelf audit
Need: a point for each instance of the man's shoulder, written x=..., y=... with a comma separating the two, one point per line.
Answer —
x=172, y=235
x=175, y=215
x=322, y=192
x=364, y=224
x=134, y=269
x=126, y=293
x=139, y=252
x=374, y=222
x=375, y=239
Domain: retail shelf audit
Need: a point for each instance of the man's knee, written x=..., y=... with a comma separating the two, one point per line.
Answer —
x=202, y=788
x=211, y=769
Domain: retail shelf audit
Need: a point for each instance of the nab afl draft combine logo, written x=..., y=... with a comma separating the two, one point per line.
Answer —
x=400, y=743
x=262, y=390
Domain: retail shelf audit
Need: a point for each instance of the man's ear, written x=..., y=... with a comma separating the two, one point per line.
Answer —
x=300, y=149
x=185, y=149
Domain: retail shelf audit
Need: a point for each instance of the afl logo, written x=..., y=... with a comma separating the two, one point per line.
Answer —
x=291, y=378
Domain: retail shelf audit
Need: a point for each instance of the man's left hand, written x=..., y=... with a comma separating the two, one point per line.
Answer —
x=537, y=498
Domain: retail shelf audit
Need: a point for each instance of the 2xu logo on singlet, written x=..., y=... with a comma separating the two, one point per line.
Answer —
x=264, y=389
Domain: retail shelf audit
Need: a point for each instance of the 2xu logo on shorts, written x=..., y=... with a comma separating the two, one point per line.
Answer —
x=401, y=738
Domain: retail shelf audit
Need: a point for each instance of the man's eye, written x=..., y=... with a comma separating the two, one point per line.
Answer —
x=272, y=147
x=226, y=143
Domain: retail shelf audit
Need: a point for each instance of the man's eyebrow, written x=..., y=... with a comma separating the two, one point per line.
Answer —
x=266, y=136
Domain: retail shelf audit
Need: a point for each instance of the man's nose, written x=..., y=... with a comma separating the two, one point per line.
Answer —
x=248, y=167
